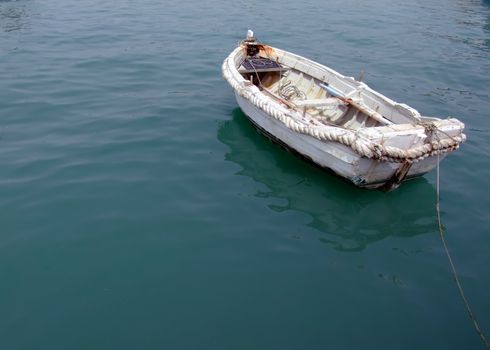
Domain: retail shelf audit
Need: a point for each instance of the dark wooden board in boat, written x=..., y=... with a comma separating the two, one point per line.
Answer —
x=260, y=64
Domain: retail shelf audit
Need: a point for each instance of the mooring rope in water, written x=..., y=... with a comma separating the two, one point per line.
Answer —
x=455, y=274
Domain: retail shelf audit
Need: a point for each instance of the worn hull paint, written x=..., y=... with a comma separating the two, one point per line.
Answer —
x=338, y=123
x=330, y=156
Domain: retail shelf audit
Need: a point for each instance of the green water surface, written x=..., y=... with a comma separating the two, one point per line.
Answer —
x=139, y=209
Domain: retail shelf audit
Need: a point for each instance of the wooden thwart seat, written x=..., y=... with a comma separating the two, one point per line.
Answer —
x=320, y=102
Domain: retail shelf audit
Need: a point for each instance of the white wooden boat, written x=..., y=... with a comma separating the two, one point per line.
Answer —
x=335, y=121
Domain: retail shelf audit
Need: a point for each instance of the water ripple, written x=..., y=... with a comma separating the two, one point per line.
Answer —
x=134, y=193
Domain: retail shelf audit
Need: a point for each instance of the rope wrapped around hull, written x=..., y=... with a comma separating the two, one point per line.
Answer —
x=350, y=138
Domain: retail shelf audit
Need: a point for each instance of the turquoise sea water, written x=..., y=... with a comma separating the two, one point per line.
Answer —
x=140, y=210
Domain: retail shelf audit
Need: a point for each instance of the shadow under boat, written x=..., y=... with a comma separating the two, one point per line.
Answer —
x=351, y=218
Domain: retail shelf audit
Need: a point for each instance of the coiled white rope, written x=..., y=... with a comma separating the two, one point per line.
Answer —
x=362, y=146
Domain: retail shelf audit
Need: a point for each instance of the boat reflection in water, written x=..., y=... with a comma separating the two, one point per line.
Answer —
x=351, y=218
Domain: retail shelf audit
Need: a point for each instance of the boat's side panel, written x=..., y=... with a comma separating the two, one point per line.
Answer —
x=378, y=172
x=330, y=155
x=333, y=156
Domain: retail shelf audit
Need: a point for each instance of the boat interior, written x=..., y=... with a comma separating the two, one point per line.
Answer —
x=322, y=96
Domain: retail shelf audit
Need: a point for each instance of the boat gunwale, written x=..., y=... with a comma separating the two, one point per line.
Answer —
x=365, y=141
x=358, y=85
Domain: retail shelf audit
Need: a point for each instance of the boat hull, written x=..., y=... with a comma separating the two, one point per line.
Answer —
x=331, y=156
